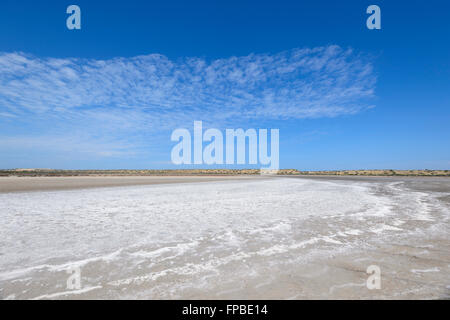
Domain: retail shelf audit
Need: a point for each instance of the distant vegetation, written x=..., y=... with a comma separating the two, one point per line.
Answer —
x=387, y=172
x=67, y=173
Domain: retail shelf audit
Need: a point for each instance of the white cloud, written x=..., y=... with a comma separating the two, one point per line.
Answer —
x=66, y=144
x=98, y=105
x=300, y=83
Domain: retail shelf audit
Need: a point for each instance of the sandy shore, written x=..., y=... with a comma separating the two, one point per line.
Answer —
x=26, y=184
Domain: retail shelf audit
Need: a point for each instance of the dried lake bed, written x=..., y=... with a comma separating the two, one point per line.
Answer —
x=226, y=238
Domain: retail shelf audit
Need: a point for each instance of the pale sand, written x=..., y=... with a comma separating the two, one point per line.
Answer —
x=27, y=184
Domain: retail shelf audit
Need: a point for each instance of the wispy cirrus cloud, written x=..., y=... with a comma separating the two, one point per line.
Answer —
x=126, y=97
x=300, y=83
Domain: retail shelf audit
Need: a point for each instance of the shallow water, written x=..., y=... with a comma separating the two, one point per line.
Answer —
x=276, y=238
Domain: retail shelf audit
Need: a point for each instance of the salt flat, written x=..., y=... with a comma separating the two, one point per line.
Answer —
x=282, y=238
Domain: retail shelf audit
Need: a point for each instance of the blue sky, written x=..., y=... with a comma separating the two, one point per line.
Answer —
x=109, y=95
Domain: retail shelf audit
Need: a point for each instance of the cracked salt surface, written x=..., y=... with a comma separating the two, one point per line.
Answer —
x=210, y=239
